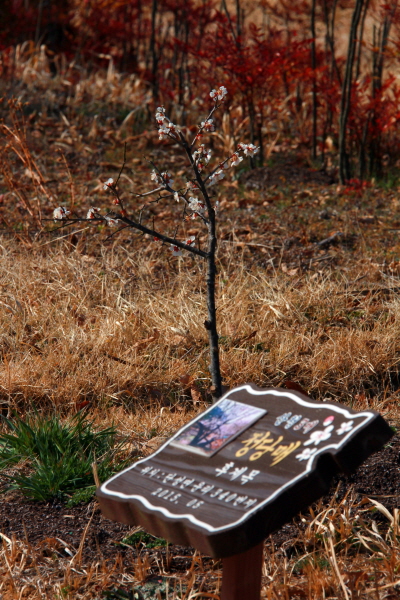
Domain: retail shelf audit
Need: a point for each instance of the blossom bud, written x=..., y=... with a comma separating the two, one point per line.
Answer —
x=191, y=240
x=91, y=212
x=111, y=222
x=217, y=176
x=248, y=149
x=60, y=213
x=219, y=94
x=208, y=125
x=109, y=183
x=176, y=251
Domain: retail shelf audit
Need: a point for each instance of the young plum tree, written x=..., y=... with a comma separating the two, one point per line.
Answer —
x=198, y=203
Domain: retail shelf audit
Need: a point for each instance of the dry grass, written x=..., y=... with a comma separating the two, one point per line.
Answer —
x=41, y=572
x=121, y=327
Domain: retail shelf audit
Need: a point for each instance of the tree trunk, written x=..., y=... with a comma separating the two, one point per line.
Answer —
x=211, y=323
x=314, y=82
x=344, y=166
x=375, y=158
x=153, y=51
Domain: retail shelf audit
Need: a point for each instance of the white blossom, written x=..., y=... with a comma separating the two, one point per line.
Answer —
x=109, y=183
x=163, y=132
x=163, y=179
x=236, y=159
x=176, y=251
x=208, y=125
x=218, y=94
x=167, y=179
x=111, y=222
x=202, y=154
x=60, y=213
x=190, y=240
x=173, y=129
x=160, y=114
x=91, y=212
x=196, y=206
x=217, y=176
x=165, y=126
x=248, y=149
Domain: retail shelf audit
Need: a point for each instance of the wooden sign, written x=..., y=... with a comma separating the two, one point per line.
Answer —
x=242, y=469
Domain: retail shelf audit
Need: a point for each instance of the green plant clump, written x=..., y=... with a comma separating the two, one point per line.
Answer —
x=148, y=540
x=56, y=458
x=82, y=496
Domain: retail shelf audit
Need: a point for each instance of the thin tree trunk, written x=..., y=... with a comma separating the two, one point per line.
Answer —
x=375, y=165
x=314, y=82
x=39, y=22
x=361, y=35
x=211, y=323
x=330, y=38
x=238, y=20
x=344, y=167
x=153, y=50
x=252, y=118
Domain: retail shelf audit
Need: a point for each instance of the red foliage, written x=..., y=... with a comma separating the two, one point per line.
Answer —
x=184, y=48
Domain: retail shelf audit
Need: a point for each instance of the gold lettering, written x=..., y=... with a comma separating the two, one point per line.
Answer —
x=263, y=443
x=252, y=442
x=266, y=445
x=283, y=451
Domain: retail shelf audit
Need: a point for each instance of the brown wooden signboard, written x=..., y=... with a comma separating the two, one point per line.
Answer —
x=242, y=469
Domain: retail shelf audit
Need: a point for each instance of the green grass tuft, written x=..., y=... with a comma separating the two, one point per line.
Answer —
x=59, y=455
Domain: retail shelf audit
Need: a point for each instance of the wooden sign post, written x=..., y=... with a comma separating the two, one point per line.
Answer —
x=239, y=471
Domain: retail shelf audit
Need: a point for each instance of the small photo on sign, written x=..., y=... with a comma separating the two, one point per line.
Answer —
x=217, y=427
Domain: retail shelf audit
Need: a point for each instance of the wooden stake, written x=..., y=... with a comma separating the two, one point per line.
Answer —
x=241, y=575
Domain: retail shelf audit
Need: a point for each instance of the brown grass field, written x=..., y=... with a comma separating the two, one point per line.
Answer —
x=308, y=291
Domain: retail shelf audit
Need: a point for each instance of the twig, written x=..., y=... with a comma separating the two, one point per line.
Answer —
x=329, y=240
x=5, y=538
x=115, y=233
x=150, y=193
x=336, y=567
x=61, y=237
x=122, y=167
x=78, y=555
x=247, y=244
x=321, y=258
x=161, y=236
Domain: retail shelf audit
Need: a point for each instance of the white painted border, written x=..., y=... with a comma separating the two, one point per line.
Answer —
x=245, y=515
